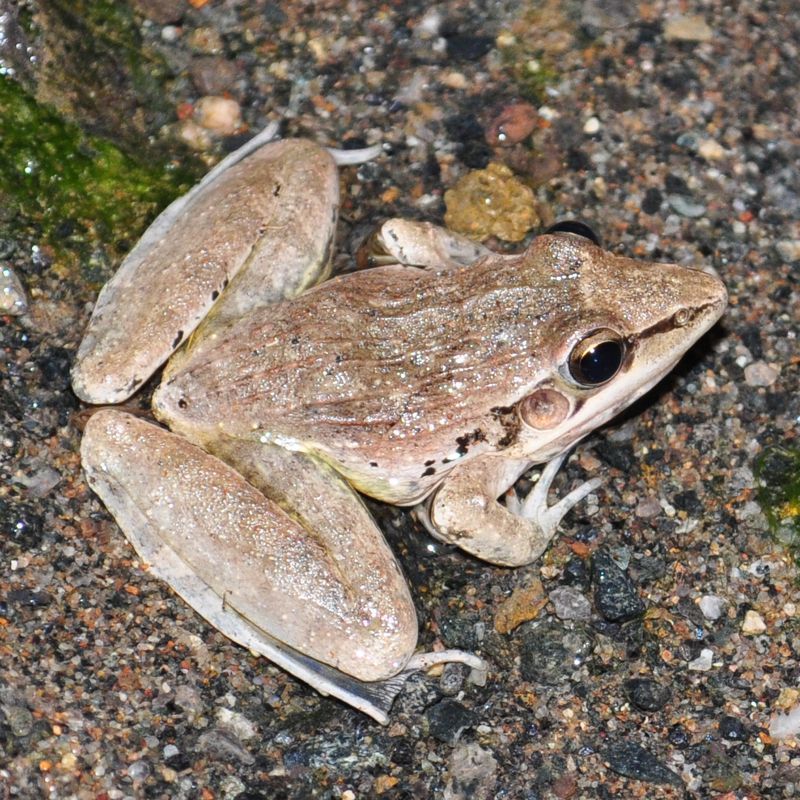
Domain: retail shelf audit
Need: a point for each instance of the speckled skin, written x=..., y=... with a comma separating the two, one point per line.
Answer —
x=265, y=562
x=397, y=374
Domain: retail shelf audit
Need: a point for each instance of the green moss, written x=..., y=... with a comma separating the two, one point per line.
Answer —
x=77, y=191
x=777, y=472
x=532, y=72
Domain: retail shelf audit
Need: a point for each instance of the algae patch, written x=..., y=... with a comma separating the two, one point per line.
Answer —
x=777, y=472
x=72, y=190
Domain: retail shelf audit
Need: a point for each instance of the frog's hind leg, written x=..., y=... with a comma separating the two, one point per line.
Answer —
x=315, y=588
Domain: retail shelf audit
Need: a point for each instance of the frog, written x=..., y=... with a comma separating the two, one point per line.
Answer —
x=432, y=378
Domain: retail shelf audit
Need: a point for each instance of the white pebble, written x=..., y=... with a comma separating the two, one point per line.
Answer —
x=711, y=150
x=760, y=373
x=788, y=249
x=220, y=115
x=711, y=606
x=703, y=662
x=785, y=726
x=753, y=624
x=591, y=126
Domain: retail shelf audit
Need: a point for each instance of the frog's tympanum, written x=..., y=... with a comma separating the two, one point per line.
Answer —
x=433, y=379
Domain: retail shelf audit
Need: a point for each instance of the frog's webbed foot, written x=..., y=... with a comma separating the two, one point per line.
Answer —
x=534, y=507
x=464, y=510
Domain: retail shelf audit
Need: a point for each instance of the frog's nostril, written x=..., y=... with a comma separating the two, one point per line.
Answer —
x=182, y=403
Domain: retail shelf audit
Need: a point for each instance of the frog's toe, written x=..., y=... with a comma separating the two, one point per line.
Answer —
x=535, y=507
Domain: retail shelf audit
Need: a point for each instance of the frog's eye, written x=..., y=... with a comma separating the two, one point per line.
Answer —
x=577, y=228
x=596, y=358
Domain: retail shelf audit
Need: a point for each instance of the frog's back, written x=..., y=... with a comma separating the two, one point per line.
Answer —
x=393, y=371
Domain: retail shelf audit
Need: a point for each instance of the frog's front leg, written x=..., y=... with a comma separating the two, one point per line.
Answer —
x=299, y=573
x=464, y=510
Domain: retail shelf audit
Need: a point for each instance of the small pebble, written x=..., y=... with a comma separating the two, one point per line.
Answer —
x=222, y=745
x=513, y=124
x=646, y=694
x=732, y=729
x=162, y=12
x=785, y=726
x=711, y=606
x=633, y=761
x=760, y=373
x=685, y=206
x=169, y=751
x=19, y=720
x=12, y=295
x=138, y=770
x=170, y=34
x=549, y=653
x=615, y=595
x=687, y=28
x=753, y=624
x=711, y=150
x=220, y=115
x=196, y=137
x=647, y=508
x=448, y=719
x=591, y=126
x=491, y=202
x=703, y=662
x=473, y=773
x=569, y=603
x=788, y=249
x=236, y=723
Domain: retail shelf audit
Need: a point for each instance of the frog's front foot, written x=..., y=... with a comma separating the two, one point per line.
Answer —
x=465, y=511
x=535, y=508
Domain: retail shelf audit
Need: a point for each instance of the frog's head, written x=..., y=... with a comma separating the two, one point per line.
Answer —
x=620, y=328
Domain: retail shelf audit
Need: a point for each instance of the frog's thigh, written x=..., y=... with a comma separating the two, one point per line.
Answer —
x=464, y=510
x=321, y=581
x=422, y=244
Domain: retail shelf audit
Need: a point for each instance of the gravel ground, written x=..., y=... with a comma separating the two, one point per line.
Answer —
x=651, y=650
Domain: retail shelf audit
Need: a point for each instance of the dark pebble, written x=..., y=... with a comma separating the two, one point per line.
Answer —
x=615, y=595
x=652, y=201
x=28, y=598
x=549, y=652
x=21, y=524
x=448, y=720
x=646, y=694
x=633, y=761
x=576, y=573
x=179, y=762
x=617, y=455
x=213, y=74
x=647, y=569
x=679, y=737
x=452, y=680
x=732, y=729
x=676, y=185
x=476, y=155
x=461, y=47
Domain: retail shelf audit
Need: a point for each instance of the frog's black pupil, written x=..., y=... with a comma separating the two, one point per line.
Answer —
x=599, y=363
